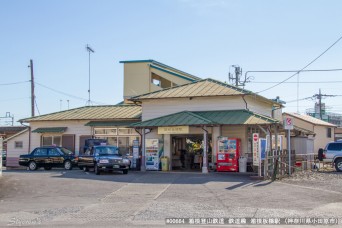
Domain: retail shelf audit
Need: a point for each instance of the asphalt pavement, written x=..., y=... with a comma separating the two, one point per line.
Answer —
x=75, y=198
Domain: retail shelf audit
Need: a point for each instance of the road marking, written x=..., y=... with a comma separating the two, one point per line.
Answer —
x=157, y=196
x=318, y=189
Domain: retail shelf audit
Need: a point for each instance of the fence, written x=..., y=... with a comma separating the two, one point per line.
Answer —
x=277, y=165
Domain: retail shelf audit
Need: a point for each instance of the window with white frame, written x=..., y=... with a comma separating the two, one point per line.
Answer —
x=18, y=144
x=51, y=140
x=127, y=131
x=120, y=137
x=105, y=131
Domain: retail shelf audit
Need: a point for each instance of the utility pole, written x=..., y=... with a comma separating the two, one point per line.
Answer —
x=319, y=96
x=32, y=89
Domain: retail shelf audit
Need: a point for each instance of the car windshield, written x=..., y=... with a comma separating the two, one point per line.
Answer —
x=107, y=151
x=66, y=151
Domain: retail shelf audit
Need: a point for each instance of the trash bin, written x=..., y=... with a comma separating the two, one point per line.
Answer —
x=164, y=163
x=242, y=164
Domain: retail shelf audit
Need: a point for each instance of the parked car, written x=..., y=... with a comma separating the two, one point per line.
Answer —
x=48, y=157
x=93, y=142
x=333, y=153
x=103, y=158
x=4, y=157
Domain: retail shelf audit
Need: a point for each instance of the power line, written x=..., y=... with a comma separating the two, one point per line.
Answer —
x=304, y=82
x=66, y=94
x=312, y=97
x=302, y=99
x=13, y=83
x=14, y=99
x=289, y=71
x=294, y=106
x=35, y=101
x=303, y=67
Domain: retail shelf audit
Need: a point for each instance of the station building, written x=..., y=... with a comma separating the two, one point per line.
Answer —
x=184, y=114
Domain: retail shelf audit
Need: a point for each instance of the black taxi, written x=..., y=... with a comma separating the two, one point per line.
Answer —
x=49, y=157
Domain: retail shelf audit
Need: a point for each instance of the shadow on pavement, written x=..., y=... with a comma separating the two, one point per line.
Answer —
x=149, y=177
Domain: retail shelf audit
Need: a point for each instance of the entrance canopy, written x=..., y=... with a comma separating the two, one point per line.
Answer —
x=201, y=118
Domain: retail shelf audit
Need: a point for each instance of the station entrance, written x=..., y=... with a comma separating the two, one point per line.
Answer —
x=187, y=152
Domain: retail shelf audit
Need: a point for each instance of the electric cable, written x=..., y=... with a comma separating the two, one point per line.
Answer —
x=35, y=101
x=303, y=82
x=13, y=83
x=14, y=99
x=301, y=99
x=303, y=67
x=66, y=94
x=312, y=97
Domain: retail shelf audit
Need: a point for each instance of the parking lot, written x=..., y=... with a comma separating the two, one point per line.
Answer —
x=71, y=198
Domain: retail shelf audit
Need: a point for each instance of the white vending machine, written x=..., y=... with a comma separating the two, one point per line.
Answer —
x=152, y=154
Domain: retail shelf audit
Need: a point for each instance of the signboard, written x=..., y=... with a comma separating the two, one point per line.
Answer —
x=262, y=148
x=135, y=153
x=173, y=130
x=255, y=148
x=288, y=123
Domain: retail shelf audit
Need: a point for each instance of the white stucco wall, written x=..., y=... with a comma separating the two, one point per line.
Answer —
x=14, y=153
x=321, y=139
x=76, y=128
x=161, y=107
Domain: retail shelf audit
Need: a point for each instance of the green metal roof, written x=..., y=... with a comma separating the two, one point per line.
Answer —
x=109, y=123
x=50, y=130
x=180, y=118
x=101, y=113
x=225, y=117
x=232, y=117
x=202, y=88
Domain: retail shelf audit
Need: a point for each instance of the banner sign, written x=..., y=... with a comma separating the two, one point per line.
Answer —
x=255, y=148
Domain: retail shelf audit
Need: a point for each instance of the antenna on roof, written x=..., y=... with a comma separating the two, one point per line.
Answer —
x=89, y=50
x=237, y=78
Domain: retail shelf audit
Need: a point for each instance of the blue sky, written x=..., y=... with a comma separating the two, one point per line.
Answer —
x=200, y=37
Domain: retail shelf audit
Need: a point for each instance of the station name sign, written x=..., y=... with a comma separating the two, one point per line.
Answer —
x=173, y=130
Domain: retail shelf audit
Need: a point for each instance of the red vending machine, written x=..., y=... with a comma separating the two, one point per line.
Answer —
x=228, y=154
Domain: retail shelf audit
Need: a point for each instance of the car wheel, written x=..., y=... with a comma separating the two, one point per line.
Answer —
x=85, y=169
x=47, y=168
x=125, y=171
x=32, y=165
x=67, y=165
x=96, y=170
x=338, y=165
